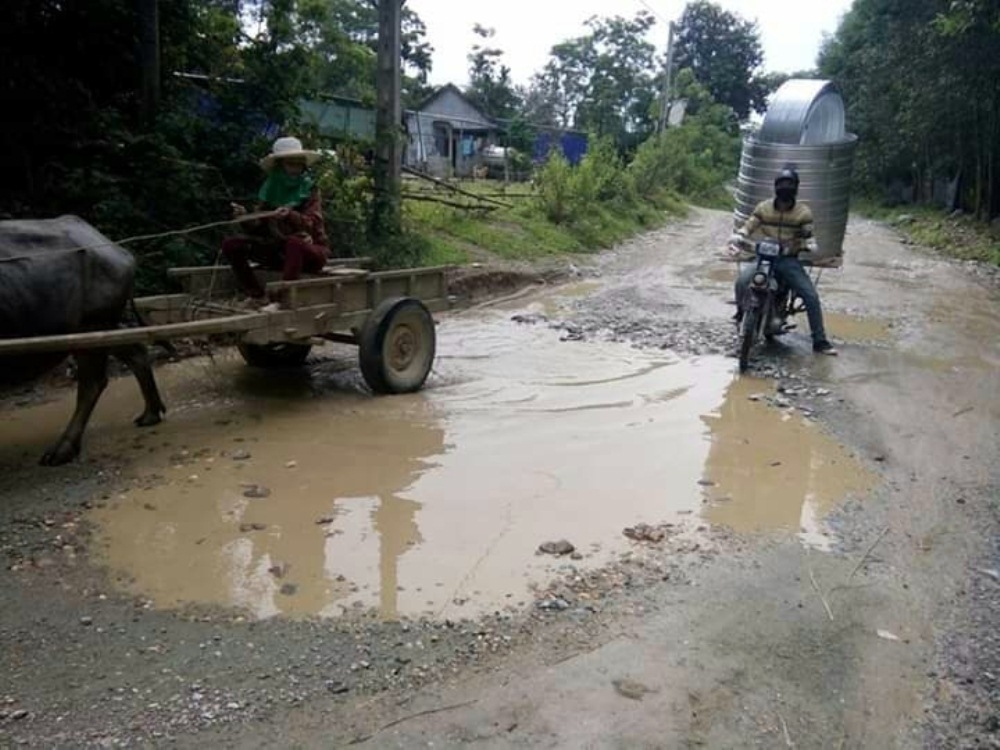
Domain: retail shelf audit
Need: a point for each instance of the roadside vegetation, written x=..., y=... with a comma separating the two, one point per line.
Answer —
x=140, y=138
x=958, y=235
x=920, y=80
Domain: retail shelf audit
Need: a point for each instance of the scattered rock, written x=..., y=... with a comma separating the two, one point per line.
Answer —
x=86, y=620
x=886, y=635
x=288, y=589
x=631, y=689
x=706, y=482
x=562, y=547
x=256, y=492
x=19, y=714
x=643, y=532
x=248, y=527
x=529, y=318
x=240, y=455
x=337, y=688
x=554, y=604
x=291, y=464
x=990, y=573
x=325, y=520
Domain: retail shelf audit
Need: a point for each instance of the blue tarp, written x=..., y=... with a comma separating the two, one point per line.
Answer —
x=573, y=146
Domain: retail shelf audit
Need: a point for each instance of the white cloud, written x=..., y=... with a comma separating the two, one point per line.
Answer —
x=791, y=32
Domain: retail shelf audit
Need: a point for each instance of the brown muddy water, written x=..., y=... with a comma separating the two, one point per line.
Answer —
x=841, y=326
x=434, y=503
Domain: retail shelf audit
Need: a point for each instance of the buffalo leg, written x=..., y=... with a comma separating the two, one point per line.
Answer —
x=137, y=359
x=92, y=379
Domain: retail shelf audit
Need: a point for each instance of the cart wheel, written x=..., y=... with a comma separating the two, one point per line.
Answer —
x=274, y=355
x=397, y=346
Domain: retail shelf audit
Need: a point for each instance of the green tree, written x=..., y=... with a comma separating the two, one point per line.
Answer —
x=725, y=54
x=490, y=86
x=232, y=74
x=601, y=82
x=694, y=159
x=922, y=84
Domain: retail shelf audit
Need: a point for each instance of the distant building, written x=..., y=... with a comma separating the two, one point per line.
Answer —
x=339, y=118
x=449, y=136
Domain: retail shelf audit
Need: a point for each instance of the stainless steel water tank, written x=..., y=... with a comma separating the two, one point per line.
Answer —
x=804, y=129
x=806, y=112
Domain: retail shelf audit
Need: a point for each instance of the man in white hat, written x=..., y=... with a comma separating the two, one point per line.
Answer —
x=294, y=240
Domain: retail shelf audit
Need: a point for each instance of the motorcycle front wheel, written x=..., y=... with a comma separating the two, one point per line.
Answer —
x=748, y=333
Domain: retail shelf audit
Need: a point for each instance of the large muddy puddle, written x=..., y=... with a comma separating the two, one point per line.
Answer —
x=295, y=493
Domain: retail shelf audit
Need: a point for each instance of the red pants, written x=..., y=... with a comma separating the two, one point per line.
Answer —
x=293, y=256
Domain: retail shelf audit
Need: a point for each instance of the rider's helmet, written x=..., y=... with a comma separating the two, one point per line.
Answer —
x=786, y=184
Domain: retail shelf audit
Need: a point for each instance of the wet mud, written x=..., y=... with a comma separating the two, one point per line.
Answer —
x=750, y=606
x=297, y=494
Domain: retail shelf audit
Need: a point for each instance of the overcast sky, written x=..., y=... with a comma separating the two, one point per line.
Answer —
x=791, y=30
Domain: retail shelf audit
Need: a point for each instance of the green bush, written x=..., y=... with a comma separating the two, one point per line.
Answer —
x=555, y=185
x=346, y=189
x=694, y=160
x=601, y=176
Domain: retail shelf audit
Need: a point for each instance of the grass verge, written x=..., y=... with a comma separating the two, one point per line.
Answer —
x=520, y=231
x=958, y=236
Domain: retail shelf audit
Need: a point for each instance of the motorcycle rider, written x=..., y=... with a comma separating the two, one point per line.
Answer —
x=791, y=223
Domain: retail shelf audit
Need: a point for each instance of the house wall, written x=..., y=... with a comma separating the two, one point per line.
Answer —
x=438, y=130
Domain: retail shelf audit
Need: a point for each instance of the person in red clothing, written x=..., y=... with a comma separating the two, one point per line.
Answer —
x=294, y=240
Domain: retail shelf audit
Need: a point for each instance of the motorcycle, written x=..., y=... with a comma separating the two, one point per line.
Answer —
x=768, y=304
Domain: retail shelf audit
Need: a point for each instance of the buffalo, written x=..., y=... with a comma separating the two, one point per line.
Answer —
x=62, y=276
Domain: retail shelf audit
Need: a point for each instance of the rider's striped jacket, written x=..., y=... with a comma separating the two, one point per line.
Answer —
x=793, y=228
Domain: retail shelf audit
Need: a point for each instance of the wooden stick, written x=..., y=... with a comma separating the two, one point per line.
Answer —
x=822, y=598
x=784, y=728
x=448, y=186
x=110, y=339
x=359, y=740
x=867, y=553
x=173, y=232
x=198, y=228
x=442, y=201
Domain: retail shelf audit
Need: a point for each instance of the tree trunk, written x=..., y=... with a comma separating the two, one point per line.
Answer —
x=994, y=178
x=386, y=211
x=147, y=12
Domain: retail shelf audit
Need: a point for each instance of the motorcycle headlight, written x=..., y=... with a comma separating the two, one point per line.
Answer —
x=759, y=279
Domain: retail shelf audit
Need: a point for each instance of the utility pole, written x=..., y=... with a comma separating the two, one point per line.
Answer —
x=386, y=210
x=667, y=80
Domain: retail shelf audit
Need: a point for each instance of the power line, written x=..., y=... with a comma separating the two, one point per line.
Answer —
x=653, y=10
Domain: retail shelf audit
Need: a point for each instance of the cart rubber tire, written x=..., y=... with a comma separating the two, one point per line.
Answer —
x=397, y=346
x=274, y=356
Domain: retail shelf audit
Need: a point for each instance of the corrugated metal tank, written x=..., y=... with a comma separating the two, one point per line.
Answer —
x=804, y=129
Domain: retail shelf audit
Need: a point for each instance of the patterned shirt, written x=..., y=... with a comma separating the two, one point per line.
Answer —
x=792, y=227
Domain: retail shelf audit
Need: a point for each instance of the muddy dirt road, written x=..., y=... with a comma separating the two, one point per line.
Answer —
x=811, y=560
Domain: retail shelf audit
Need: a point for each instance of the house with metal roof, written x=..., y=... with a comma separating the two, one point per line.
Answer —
x=449, y=136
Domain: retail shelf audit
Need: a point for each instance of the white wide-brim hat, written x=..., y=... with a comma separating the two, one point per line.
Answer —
x=288, y=148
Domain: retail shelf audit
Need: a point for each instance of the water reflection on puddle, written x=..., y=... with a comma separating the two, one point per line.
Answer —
x=435, y=503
